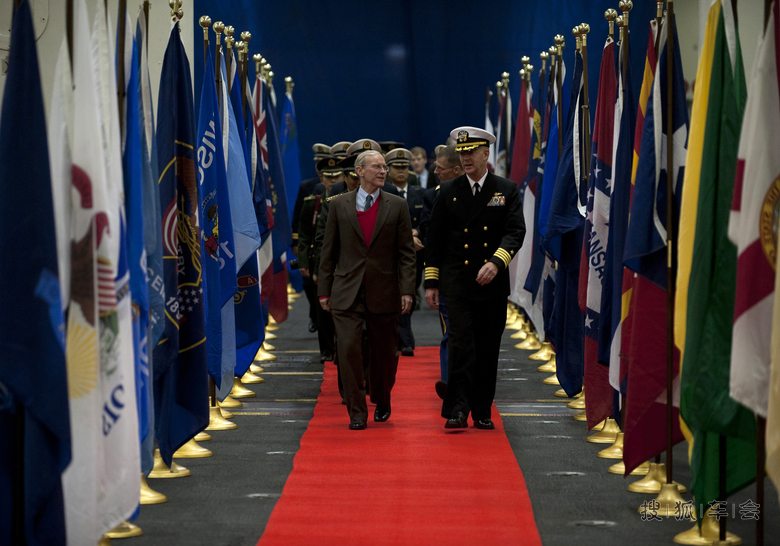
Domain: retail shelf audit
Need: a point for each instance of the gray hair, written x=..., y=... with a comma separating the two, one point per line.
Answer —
x=449, y=153
x=361, y=159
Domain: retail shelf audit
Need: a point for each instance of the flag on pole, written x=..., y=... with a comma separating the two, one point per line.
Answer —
x=524, y=128
x=181, y=375
x=132, y=166
x=646, y=254
x=265, y=254
x=281, y=233
x=708, y=263
x=152, y=226
x=504, y=133
x=31, y=327
x=292, y=168
x=622, y=162
x=563, y=241
x=594, y=256
x=491, y=164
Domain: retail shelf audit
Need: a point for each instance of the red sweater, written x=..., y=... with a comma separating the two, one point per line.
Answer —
x=367, y=220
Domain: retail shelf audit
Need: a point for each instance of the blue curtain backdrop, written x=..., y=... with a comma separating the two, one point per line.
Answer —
x=405, y=70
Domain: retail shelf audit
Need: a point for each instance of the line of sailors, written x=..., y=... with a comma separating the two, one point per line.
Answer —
x=335, y=167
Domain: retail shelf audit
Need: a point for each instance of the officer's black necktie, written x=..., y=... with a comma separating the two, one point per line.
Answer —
x=369, y=201
x=476, y=191
x=403, y=194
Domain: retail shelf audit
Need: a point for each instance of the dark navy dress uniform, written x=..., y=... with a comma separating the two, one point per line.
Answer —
x=466, y=232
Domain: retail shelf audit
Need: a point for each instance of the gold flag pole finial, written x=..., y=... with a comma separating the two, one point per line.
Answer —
x=205, y=23
x=584, y=31
x=625, y=6
x=611, y=15
x=522, y=74
x=258, y=61
x=266, y=69
x=176, y=10
x=505, y=81
x=219, y=28
x=246, y=36
x=619, y=22
x=525, y=59
x=578, y=41
x=528, y=71
x=270, y=76
x=560, y=43
x=288, y=81
x=240, y=51
x=544, y=56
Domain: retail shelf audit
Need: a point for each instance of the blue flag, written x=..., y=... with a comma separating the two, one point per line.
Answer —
x=181, y=380
x=281, y=232
x=563, y=241
x=238, y=112
x=132, y=166
x=34, y=412
x=292, y=168
x=210, y=161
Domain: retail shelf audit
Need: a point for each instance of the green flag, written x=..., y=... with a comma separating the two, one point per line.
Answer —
x=704, y=307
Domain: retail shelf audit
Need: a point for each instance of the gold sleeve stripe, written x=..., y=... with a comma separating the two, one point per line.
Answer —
x=295, y=236
x=504, y=256
x=431, y=273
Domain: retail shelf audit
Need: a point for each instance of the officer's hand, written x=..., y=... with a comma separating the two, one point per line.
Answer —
x=406, y=303
x=418, y=246
x=295, y=250
x=432, y=297
x=325, y=304
x=487, y=273
x=314, y=278
x=304, y=271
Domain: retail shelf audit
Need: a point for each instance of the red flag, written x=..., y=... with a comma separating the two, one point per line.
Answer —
x=277, y=304
x=522, y=145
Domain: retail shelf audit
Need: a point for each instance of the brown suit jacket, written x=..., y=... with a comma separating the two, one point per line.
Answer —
x=388, y=264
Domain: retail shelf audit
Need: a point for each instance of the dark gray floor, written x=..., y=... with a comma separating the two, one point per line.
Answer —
x=229, y=497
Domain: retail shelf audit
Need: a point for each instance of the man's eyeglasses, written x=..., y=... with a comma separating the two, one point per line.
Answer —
x=381, y=167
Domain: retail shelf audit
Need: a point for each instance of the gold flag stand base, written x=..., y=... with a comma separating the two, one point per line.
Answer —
x=161, y=470
x=230, y=402
x=263, y=356
x=545, y=352
x=202, y=436
x=548, y=367
x=709, y=534
x=653, y=481
x=619, y=468
x=254, y=368
x=606, y=435
x=578, y=402
x=191, y=450
x=531, y=343
x=615, y=451
x=268, y=347
x=560, y=393
x=217, y=422
x=251, y=379
x=149, y=495
x=272, y=325
x=664, y=504
x=552, y=380
x=270, y=335
x=225, y=413
x=125, y=530
x=240, y=391
x=520, y=334
x=104, y=541
x=581, y=416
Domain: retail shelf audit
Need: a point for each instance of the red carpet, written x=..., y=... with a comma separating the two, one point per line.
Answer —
x=403, y=482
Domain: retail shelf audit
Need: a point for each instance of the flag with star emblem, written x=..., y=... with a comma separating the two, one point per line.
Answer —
x=181, y=372
x=593, y=265
x=646, y=254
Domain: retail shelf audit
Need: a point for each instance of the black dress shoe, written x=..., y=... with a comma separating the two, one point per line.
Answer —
x=312, y=327
x=485, y=424
x=381, y=414
x=357, y=424
x=441, y=389
x=458, y=420
x=326, y=358
x=407, y=351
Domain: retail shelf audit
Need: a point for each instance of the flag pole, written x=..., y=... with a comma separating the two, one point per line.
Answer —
x=246, y=36
x=659, y=15
x=584, y=30
x=611, y=15
x=120, y=64
x=205, y=23
x=559, y=43
x=670, y=250
x=69, y=31
x=229, y=41
x=218, y=27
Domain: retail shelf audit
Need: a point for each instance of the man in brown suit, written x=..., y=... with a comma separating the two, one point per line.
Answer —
x=367, y=274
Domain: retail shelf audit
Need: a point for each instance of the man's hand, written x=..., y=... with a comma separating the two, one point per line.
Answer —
x=406, y=303
x=487, y=273
x=314, y=278
x=325, y=304
x=418, y=246
x=432, y=297
x=304, y=271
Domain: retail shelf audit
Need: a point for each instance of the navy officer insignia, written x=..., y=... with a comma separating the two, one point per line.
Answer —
x=498, y=200
x=463, y=136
